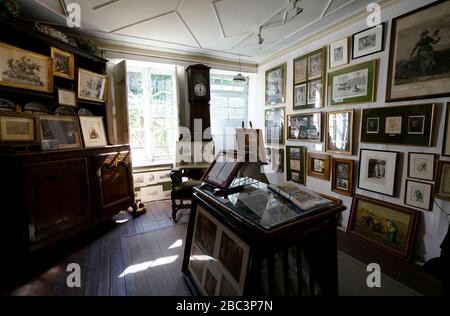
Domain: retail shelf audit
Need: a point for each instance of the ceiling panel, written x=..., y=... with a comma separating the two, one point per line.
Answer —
x=167, y=28
x=336, y=4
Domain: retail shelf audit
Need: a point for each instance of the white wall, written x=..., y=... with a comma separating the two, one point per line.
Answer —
x=433, y=224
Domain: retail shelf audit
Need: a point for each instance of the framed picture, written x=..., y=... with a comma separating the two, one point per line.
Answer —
x=63, y=64
x=319, y=166
x=306, y=127
x=20, y=68
x=276, y=85
x=338, y=53
x=16, y=129
x=377, y=171
x=339, y=137
x=389, y=227
x=59, y=132
x=223, y=170
x=275, y=159
x=421, y=166
x=443, y=183
x=296, y=164
x=274, y=126
x=446, y=145
x=368, y=42
x=218, y=258
x=418, y=62
x=418, y=194
x=92, y=86
x=342, y=179
x=309, y=80
x=67, y=98
x=354, y=84
x=406, y=125
x=93, y=131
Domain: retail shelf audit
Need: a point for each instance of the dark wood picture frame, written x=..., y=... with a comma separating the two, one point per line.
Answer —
x=223, y=185
x=326, y=166
x=410, y=233
x=383, y=44
x=407, y=181
x=392, y=49
x=334, y=186
x=438, y=192
x=434, y=156
x=446, y=142
x=302, y=172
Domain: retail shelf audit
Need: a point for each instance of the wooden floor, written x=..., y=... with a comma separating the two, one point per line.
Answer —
x=97, y=252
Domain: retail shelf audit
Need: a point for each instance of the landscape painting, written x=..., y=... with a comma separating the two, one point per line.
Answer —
x=390, y=227
x=419, y=65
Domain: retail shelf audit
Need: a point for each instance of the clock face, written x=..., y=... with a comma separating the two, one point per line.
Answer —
x=200, y=89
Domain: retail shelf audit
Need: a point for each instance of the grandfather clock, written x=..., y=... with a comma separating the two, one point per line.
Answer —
x=199, y=98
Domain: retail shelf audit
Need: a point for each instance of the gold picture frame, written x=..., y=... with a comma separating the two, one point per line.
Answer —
x=442, y=189
x=17, y=128
x=331, y=136
x=92, y=86
x=39, y=69
x=63, y=63
x=319, y=166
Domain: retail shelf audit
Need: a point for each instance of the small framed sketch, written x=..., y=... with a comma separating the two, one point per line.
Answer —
x=319, y=166
x=306, y=127
x=93, y=131
x=342, y=179
x=92, y=86
x=446, y=146
x=443, y=183
x=309, y=80
x=274, y=126
x=377, y=171
x=339, y=137
x=353, y=84
x=418, y=194
x=16, y=129
x=407, y=125
x=67, y=98
x=63, y=64
x=368, y=42
x=421, y=166
x=338, y=53
x=60, y=132
x=296, y=164
x=276, y=85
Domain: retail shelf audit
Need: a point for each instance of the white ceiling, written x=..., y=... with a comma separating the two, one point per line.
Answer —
x=220, y=28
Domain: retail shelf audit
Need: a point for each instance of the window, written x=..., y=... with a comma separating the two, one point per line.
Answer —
x=229, y=107
x=152, y=112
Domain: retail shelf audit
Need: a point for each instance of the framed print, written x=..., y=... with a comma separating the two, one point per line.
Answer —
x=390, y=227
x=276, y=85
x=377, y=171
x=275, y=159
x=338, y=53
x=443, y=181
x=63, y=64
x=305, y=127
x=300, y=97
x=419, y=65
x=23, y=69
x=296, y=164
x=93, y=131
x=275, y=126
x=59, y=132
x=446, y=145
x=67, y=98
x=354, y=84
x=421, y=166
x=339, y=136
x=223, y=170
x=406, y=125
x=319, y=166
x=309, y=80
x=342, y=179
x=368, y=42
x=418, y=194
x=92, y=86
x=15, y=128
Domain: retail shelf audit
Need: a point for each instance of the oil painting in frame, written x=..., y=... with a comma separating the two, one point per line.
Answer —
x=276, y=85
x=443, y=181
x=421, y=166
x=92, y=86
x=60, y=132
x=23, y=69
x=342, y=176
x=339, y=135
x=419, y=62
x=17, y=129
x=387, y=226
x=418, y=194
x=63, y=63
x=93, y=131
